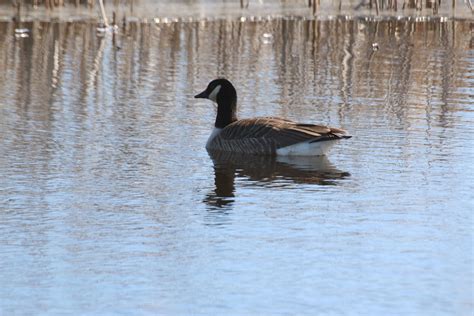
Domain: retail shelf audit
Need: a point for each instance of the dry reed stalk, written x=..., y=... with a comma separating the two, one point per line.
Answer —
x=102, y=10
x=315, y=6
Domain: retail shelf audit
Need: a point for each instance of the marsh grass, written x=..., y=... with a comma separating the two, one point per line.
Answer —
x=376, y=6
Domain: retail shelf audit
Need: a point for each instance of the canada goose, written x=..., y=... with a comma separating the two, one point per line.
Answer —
x=263, y=135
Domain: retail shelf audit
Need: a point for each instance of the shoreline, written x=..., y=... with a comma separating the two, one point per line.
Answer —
x=161, y=13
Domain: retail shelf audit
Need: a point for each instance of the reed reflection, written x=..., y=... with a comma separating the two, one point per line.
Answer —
x=266, y=171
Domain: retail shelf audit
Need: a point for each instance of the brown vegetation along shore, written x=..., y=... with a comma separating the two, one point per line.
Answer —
x=201, y=9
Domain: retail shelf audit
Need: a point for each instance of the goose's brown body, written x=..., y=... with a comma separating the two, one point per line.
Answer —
x=265, y=135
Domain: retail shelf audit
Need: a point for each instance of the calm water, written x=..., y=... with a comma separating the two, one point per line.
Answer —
x=109, y=203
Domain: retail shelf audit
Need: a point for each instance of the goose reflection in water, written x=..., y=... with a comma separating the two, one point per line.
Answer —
x=267, y=171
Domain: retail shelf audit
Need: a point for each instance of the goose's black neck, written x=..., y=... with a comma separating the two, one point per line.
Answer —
x=226, y=113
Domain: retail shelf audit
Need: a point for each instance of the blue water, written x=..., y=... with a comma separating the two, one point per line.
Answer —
x=110, y=204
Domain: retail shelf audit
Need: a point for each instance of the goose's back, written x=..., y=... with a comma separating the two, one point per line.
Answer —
x=266, y=135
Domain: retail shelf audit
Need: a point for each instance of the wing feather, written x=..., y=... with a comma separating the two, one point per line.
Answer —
x=267, y=134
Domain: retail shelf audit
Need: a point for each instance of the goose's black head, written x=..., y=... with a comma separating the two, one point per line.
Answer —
x=219, y=90
x=223, y=93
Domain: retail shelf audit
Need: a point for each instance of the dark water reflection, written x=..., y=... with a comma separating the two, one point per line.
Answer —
x=267, y=171
x=109, y=202
x=271, y=172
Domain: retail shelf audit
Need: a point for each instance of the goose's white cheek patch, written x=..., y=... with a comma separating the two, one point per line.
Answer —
x=213, y=95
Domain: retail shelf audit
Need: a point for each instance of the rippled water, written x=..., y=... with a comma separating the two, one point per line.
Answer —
x=109, y=202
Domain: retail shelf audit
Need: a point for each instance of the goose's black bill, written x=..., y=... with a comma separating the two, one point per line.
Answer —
x=202, y=95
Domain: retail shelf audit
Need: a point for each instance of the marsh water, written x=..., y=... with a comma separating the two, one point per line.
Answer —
x=110, y=204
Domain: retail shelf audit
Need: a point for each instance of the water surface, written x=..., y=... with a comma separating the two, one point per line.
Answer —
x=110, y=204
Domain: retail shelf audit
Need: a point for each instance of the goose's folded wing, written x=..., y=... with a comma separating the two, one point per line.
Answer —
x=279, y=132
